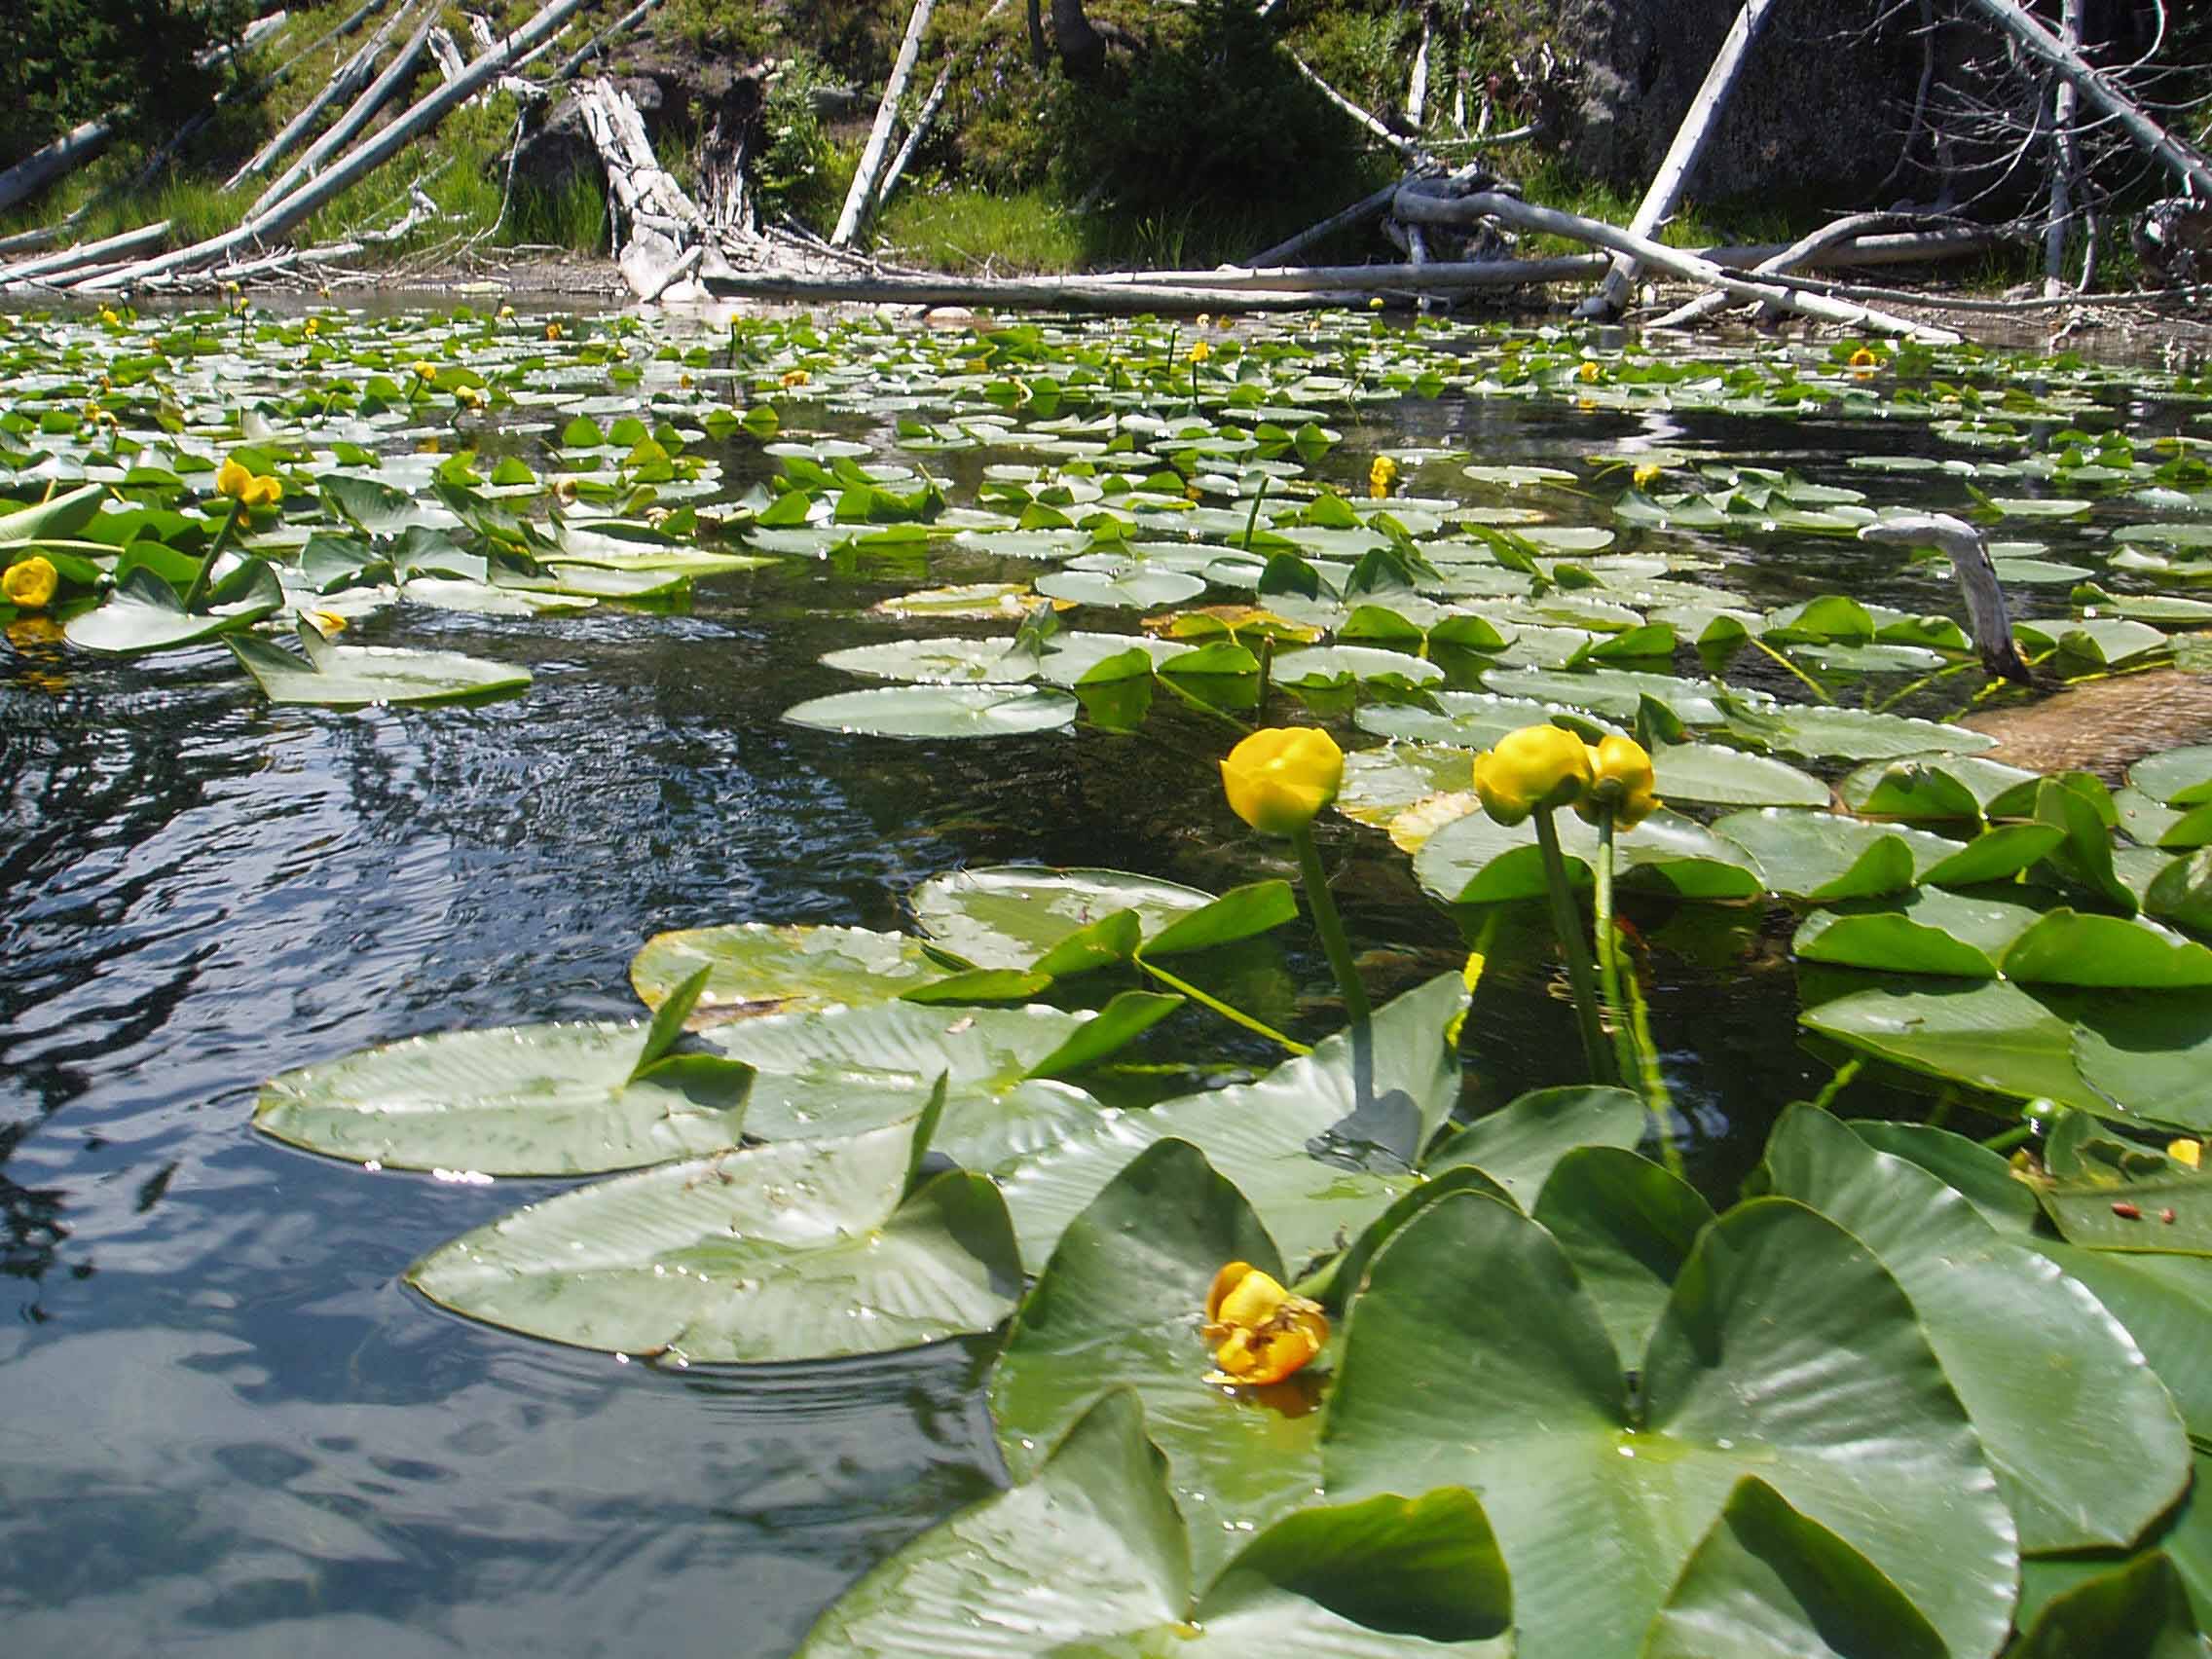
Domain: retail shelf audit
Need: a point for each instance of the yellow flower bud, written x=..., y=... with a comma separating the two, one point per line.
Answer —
x=424, y=372
x=1200, y=352
x=1620, y=779
x=233, y=480
x=1382, y=476
x=1259, y=1332
x=29, y=583
x=1279, y=777
x=2189, y=1152
x=1589, y=371
x=795, y=377
x=1647, y=474
x=552, y=331
x=1531, y=770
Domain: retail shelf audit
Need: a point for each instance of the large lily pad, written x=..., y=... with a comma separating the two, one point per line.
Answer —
x=756, y=968
x=938, y=712
x=780, y=1253
x=1787, y=1352
x=355, y=677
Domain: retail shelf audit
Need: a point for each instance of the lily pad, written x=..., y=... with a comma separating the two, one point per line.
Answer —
x=938, y=712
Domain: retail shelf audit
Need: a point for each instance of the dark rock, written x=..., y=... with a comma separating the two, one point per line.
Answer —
x=1816, y=110
x=2173, y=239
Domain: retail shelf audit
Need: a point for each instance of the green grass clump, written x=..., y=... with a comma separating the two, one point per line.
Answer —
x=953, y=227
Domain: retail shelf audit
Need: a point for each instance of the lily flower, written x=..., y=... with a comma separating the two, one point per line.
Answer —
x=1621, y=780
x=247, y=488
x=1280, y=775
x=1533, y=769
x=1382, y=476
x=1258, y=1332
x=29, y=583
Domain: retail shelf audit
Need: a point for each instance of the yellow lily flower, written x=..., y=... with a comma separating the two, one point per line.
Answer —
x=795, y=377
x=426, y=372
x=1863, y=359
x=1260, y=1333
x=2189, y=1152
x=1647, y=474
x=1200, y=352
x=1279, y=777
x=1382, y=476
x=1620, y=777
x=552, y=331
x=1589, y=370
x=311, y=327
x=29, y=583
x=1531, y=770
x=245, y=488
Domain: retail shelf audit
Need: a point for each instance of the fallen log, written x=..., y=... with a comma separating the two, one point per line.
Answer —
x=1413, y=207
x=47, y=267
x=1043, y=293
x=1405, y=147
x=1799, y=254
x=664, y=222
x=345, y=82
x=2065, y=102
x=584, y=54
x=2183, y=158
x=1668, y=183
x=342, y=132
x=1358, y=213
x=365, y=158
x=57, y=159
x=863, y=190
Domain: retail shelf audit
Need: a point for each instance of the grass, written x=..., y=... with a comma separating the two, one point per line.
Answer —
x=953, y=227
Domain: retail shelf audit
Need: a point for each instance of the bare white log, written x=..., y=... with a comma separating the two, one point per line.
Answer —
x=1801, y=252
x=2183, y=157
x=1358, y=213
x=1049, y=293
x=57, y=159
x=107, y=249
x=1404, y=146
x=1416, y=83
x=342, y=132
x=347, y=82
x=445, y=53
x=916, y=133
x=253, y=34
x=2065, y=103
x=1415, y=206
x=365, y=158
x=583, y=54
x=863, y=191
x=1987, y=619
x=1668, y=183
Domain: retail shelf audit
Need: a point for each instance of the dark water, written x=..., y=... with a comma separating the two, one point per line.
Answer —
x=224, y=1425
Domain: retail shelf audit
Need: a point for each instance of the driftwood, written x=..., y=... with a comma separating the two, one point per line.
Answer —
x=57, y=159
x=1416, y=206
x=279, y=218
x=1112, y=293
x=1405, y=147
x=1797, y=254
x=598, y=43
x=342, y=132
x=928, y=113
x=863, y=191
x=345, y=83
x=1668, y=183
x=2065, y=101
x=2183, y=158
x=1358, y=213
x=667, y=234
x=76, y=260
x=1988, y=621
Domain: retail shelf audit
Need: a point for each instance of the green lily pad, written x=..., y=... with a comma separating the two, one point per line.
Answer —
x=801, y=1251
x=754, y=967
x=938, y=712
x=355, y=677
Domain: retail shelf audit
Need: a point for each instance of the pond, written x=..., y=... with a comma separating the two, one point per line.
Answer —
x=228, y=1418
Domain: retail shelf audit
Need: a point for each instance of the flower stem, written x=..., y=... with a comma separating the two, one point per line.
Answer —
x=1638, y=1055
x=1609, y=947
x=1329, y=924
x=1235, y=1016
x=204, y=576
x=1567, y=922
x=1814, y=685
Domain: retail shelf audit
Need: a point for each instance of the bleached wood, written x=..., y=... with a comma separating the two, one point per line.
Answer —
x=863, y=190
x=342, y=132
x=896, y=171
x=47, y=267
x=1666, y=184
x=56, y=161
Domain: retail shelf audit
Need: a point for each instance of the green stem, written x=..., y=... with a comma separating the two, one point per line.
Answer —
x=1844, y=1074
x=1923, y=683
x=1329, y=924
x=1811, y=684
x=1609, y=947
x=1567, y=922
x=1656, y=1096
x=1235, y=1016
x=2009, y=1138
x=201, y=577
x=1639, y=1054
x=1252, y=518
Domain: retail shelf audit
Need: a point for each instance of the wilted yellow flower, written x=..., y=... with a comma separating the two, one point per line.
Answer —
x=795, y=377
x=1647, y=474
x=683, y=383
x=247, y=488
x=1201, y=320
x=29, y=583
x=1258, y=1332
x=1280, y=775
x=1531, y=770
x=2189, y=1152
x=565, y=489
x=1200, y=352
x=324, y=622
x=1589, y=370
x=1620, y=777
x=1382, y=476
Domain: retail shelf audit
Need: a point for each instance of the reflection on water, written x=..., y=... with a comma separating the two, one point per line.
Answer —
x=223, y=1421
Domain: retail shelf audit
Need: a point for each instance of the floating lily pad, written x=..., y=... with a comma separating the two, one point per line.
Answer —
x=938, y=712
